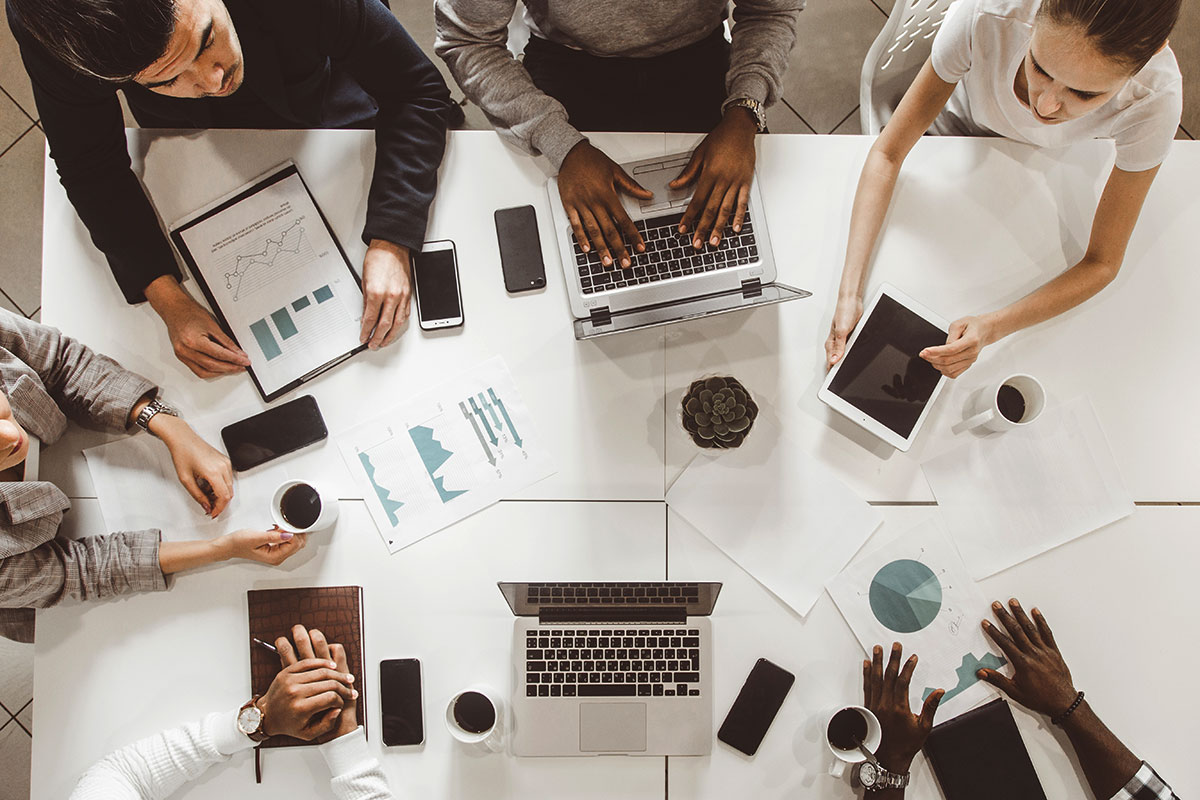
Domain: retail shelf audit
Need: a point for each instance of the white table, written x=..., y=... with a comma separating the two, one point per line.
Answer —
x=608, y=411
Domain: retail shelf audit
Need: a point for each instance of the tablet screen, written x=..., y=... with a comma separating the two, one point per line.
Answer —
x=882, y=375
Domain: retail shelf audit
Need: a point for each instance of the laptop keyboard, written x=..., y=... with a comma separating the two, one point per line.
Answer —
x=669, y=254
x=612, y=662
x=652, y=594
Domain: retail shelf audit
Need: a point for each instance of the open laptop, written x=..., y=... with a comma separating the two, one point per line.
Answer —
x=612, y=668
x=671, y=281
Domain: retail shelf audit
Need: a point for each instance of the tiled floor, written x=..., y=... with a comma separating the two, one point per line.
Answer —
x=820, y=96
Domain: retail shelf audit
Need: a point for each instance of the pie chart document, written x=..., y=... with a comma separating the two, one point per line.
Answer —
x=916, y=590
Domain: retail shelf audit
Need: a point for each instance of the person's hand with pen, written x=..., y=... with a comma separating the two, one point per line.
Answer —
x=313, y=696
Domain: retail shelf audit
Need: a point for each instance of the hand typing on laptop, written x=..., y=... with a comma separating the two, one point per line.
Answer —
x=721, y=169
x=588, y=184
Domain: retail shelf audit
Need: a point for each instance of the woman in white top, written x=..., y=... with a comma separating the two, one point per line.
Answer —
x=1047, y=73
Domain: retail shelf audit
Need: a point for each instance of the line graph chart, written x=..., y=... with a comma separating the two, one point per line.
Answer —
x=279, y=254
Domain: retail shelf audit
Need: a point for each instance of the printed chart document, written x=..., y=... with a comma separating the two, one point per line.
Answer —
x=915, y=590
x=446, y=454
x=137, y=487
x=273, y=273
x=1009, y=497
x=776, y=513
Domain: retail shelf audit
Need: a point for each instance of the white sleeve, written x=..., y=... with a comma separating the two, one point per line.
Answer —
x=1144, y=133
x=356, y=775
x=951, y=54
x=157, y=766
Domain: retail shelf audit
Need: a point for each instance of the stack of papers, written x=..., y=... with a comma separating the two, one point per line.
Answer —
x=777, y=513
x=1010, y=497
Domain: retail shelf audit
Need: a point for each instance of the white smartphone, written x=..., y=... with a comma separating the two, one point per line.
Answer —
x=439, y=296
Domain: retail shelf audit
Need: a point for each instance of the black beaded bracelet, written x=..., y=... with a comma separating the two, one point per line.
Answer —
x=1061, y=718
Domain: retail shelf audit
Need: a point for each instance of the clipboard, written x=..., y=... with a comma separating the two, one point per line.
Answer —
x=276, y=278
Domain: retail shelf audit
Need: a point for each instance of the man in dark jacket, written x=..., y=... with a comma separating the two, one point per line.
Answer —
x=235, y=64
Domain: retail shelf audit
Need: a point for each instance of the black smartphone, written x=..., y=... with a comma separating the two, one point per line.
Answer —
x=755, y=707
x=520, y=249
x=439, y=295
x=273, y=433
x=400, y=701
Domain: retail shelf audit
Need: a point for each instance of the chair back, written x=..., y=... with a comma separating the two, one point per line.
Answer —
x=896, y=57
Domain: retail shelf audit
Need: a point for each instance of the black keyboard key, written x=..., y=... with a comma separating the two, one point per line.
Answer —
x=543, y=690
x=568, y=690
x=608, y=690
x=681, y=689
x=535, y=666
x=606, y=677
x=691, y=641
x=643, y=690
x=560, y=677
x=556, y=691
x=532, y=678
x=669, y=692
x=658, y=690
x=687, y=677
x=694, y=692
x=531, y=691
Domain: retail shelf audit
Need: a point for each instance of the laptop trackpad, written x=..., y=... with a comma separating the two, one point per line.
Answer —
x=612, y=727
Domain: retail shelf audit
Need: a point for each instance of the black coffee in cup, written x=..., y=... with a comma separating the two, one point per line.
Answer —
x=474, y=712
x=847, y=729
x=1011, y=403
x=300, y=506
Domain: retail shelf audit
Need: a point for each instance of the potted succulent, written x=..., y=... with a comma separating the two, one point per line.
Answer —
x=718, y=412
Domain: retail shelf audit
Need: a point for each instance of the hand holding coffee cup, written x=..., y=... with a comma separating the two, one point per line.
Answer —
x=1012, y=403
x=303, y=507
x=885, y=693
x=475, y=717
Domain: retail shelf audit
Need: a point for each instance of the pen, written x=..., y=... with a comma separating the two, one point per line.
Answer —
x=261, y=643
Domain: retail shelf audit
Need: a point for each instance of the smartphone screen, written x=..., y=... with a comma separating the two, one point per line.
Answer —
x=273, y=433
x=520, y=249
x=755, y=707
x=435, y=273
x=400, y=701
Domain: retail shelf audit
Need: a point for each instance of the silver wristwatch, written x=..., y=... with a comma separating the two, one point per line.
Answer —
x=151, y=409
x=873, y=777
x=755, y=108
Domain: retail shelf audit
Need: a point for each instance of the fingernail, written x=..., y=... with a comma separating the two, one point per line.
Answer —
x=625, y=262
x=737, y=228
x=997, y=605
x=349, y=678
x=585, y=247
x=332, y=664
x=987, y=624
x=285, y=535
x=606, y=260
x=354, y=693
x=714, y=241
x=696, y=243
x=1014, y=601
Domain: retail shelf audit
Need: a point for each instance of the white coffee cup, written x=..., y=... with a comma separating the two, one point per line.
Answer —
x=843, y=757
x=491, y=739
x=984, y=410
x=325, y=519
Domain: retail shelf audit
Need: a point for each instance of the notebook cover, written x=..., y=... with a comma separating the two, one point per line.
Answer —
x=336, y=611
x=980, y=755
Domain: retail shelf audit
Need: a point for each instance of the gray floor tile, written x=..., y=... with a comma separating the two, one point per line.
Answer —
x=781, y=119
x=851, y=125
x=36, y=316
x=13, y=122
x=1185, y=41
x=7, y=305
x=21, y=221
x=16, y=750
x=25, y=717
x=12, y=71
x=16, y=672
x=832, y=38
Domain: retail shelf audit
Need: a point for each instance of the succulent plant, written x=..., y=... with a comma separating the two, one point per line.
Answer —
x=718, y=412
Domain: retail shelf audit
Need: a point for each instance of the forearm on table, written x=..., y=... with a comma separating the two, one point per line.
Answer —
x=871, y=200
x=179, y=556
x=1107, y=763
x=92, y=568
x=1073, y=287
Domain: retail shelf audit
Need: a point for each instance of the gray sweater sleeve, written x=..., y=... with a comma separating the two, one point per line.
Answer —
x=472, y=38
x=764, y=32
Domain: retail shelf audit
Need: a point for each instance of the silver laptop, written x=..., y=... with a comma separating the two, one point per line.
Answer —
x=612, y=668
x=671, y=281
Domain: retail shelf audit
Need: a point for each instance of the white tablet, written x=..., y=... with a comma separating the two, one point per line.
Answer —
x=882, y=383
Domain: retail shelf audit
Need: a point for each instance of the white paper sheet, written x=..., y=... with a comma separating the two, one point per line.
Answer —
x=915, y=590
x=446, y=454
x=137, y=487
x=775, y=512
x=1006, y=498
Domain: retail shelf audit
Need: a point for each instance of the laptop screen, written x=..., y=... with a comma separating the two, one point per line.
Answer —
x=528, y=599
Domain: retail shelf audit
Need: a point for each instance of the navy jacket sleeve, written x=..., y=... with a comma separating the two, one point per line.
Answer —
x=81, y=117
x=366, y=40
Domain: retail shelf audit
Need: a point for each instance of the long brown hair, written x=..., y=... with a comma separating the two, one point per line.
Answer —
x=1128, y=31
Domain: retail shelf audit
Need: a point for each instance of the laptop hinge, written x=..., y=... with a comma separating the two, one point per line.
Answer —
x=601, y=316
x=752, y=288
x=612, y=614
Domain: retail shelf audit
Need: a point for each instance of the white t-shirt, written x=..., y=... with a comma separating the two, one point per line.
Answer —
x=980, y=47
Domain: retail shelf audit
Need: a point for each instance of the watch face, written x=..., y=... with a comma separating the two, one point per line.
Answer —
x=249, y=719
x=867, y=774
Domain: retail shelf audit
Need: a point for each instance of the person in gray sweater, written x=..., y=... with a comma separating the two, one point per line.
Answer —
x=627, y=65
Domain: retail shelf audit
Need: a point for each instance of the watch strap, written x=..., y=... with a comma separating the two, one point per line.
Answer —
x=257, y=736
x=754, y=107
x=150, y=411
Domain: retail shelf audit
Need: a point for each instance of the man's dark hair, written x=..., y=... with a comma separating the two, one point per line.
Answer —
x=1128, y=31
x=109, y=39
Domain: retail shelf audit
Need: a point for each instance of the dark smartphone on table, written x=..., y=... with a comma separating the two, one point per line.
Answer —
x=756, y=706
x=273, y=433
x=520, y=249
x=400, y=701
x=439, y=294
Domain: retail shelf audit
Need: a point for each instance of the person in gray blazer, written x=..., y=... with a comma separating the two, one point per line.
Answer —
x=45, y=379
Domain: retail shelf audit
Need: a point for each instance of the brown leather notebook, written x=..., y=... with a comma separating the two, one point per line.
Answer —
x=336, y=611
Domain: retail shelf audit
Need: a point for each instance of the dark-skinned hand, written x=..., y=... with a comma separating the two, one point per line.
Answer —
x=722, y=168
x=588, y=184
x=885, y=694
x=1041, y=681
x=311, y=645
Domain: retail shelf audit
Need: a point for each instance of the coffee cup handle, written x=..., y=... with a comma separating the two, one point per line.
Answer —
x=982, y=418
x=838, y=768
